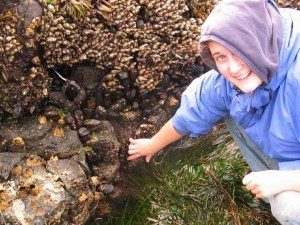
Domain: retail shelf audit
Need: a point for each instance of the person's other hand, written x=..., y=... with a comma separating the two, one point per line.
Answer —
x=267, y=183
x=141, y=147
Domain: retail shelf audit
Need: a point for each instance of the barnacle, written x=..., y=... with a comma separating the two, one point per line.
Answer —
x=18, y=142
x=3, y=73
x=145, y=49
x=16, y=170
x=201, y=9
x=59, y=131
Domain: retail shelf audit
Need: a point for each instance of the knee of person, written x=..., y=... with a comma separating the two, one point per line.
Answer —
x=287, y=216
x=286, y=209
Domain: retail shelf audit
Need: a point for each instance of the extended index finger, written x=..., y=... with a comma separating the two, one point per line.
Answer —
x=132, y=141
x=135, y=156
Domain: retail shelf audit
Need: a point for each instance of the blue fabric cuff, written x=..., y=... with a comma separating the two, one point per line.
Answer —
x=290, y=165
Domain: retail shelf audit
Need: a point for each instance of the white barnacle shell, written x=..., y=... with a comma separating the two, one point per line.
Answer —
x=51, y=39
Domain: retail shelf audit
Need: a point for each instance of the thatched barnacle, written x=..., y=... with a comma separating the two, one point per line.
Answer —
x=18, y=142
x=34, y=160
x=98, y=195
x=95, y=180
x=28, y=172
x=36, y=60
x=83, y=197
x=4, y=204
x=22, y=191
x=42, y=120
x=34, y=189
x=59, y=131
x=3, y=198
x=16, y=170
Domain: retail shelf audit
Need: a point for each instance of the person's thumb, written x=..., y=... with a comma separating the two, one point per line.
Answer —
x=246, y=179
x=148, y=158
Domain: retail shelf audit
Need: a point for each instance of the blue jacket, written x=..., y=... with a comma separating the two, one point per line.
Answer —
x=270, y=115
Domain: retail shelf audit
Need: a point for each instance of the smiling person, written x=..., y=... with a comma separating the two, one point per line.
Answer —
x=253, y=49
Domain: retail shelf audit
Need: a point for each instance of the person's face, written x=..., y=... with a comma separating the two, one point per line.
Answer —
x=233, y=68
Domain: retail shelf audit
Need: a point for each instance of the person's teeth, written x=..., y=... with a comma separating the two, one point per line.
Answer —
x=243, y=76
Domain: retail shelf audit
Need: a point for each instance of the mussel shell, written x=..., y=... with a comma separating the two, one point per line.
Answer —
x=123, y=75
x=118, y=106
x=146, y=112
x=130, y=94
x=91, y=103
x=69, y=119
x=51, y=112
x=78, y=115
x=134, y=105
x=108, y=188
x=92, y=124
x=126, y=84
x=100, y=113
x=88, y=113
x=140, y=24
x=93, y=158
x=155, y=108
x=144, y=104
x=144, y=14
x=165, y=82
x=80, y=97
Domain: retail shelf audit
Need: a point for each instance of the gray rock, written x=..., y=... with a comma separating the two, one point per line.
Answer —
x=104, y=142
x=49, y=182
x=29, y=9
x=108, y=172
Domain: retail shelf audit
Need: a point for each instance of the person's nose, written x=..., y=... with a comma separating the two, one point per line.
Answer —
x=235, y=65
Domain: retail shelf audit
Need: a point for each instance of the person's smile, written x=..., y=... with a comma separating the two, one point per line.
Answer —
x=243, y=76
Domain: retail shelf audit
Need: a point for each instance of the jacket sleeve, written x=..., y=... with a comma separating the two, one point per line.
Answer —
x=203, y=104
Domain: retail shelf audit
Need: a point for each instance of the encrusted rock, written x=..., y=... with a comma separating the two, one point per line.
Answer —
x=50, y=181
x=104, y=142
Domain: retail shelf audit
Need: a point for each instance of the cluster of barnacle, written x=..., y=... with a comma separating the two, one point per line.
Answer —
x=10, y=45
x=21, y=91
x=25, y=92
x=67, y=41
x=202, y=9
x=290, y=4
x=32, y=37
x=144, y=48
x=24, y=173
x=24, y=185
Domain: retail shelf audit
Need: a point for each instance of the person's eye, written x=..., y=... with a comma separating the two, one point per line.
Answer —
x=221, y=58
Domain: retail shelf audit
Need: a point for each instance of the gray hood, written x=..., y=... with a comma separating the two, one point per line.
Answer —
x=251, y=29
